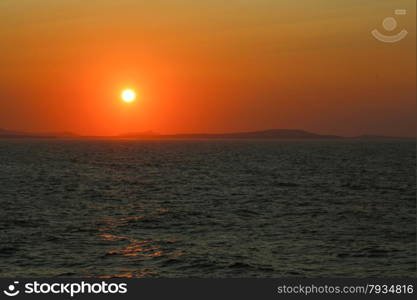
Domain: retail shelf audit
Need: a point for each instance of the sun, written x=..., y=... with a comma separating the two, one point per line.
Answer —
x=128, y=95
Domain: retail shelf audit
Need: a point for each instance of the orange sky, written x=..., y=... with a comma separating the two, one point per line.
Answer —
x=206, y=66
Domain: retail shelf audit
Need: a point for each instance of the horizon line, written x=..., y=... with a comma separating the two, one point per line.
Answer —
x=150, y=133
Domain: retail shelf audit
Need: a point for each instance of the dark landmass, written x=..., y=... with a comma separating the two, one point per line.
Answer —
x=382, y=137
x=263, y=134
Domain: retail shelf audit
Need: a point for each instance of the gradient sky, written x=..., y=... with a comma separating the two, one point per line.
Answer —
x=206, y=66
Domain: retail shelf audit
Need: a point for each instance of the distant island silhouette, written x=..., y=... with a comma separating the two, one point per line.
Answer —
x=262, y=134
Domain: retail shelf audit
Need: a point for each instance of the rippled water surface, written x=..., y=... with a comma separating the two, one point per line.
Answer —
x=207, y=208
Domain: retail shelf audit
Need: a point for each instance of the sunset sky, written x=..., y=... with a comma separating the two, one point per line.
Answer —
x=206, y=66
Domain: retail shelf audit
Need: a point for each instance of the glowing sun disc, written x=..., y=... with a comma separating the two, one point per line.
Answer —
x=128, y=96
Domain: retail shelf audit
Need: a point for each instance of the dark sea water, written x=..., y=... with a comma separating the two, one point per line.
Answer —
x=207, y=208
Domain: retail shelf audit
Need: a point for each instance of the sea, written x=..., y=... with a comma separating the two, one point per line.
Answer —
x=207, y=208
